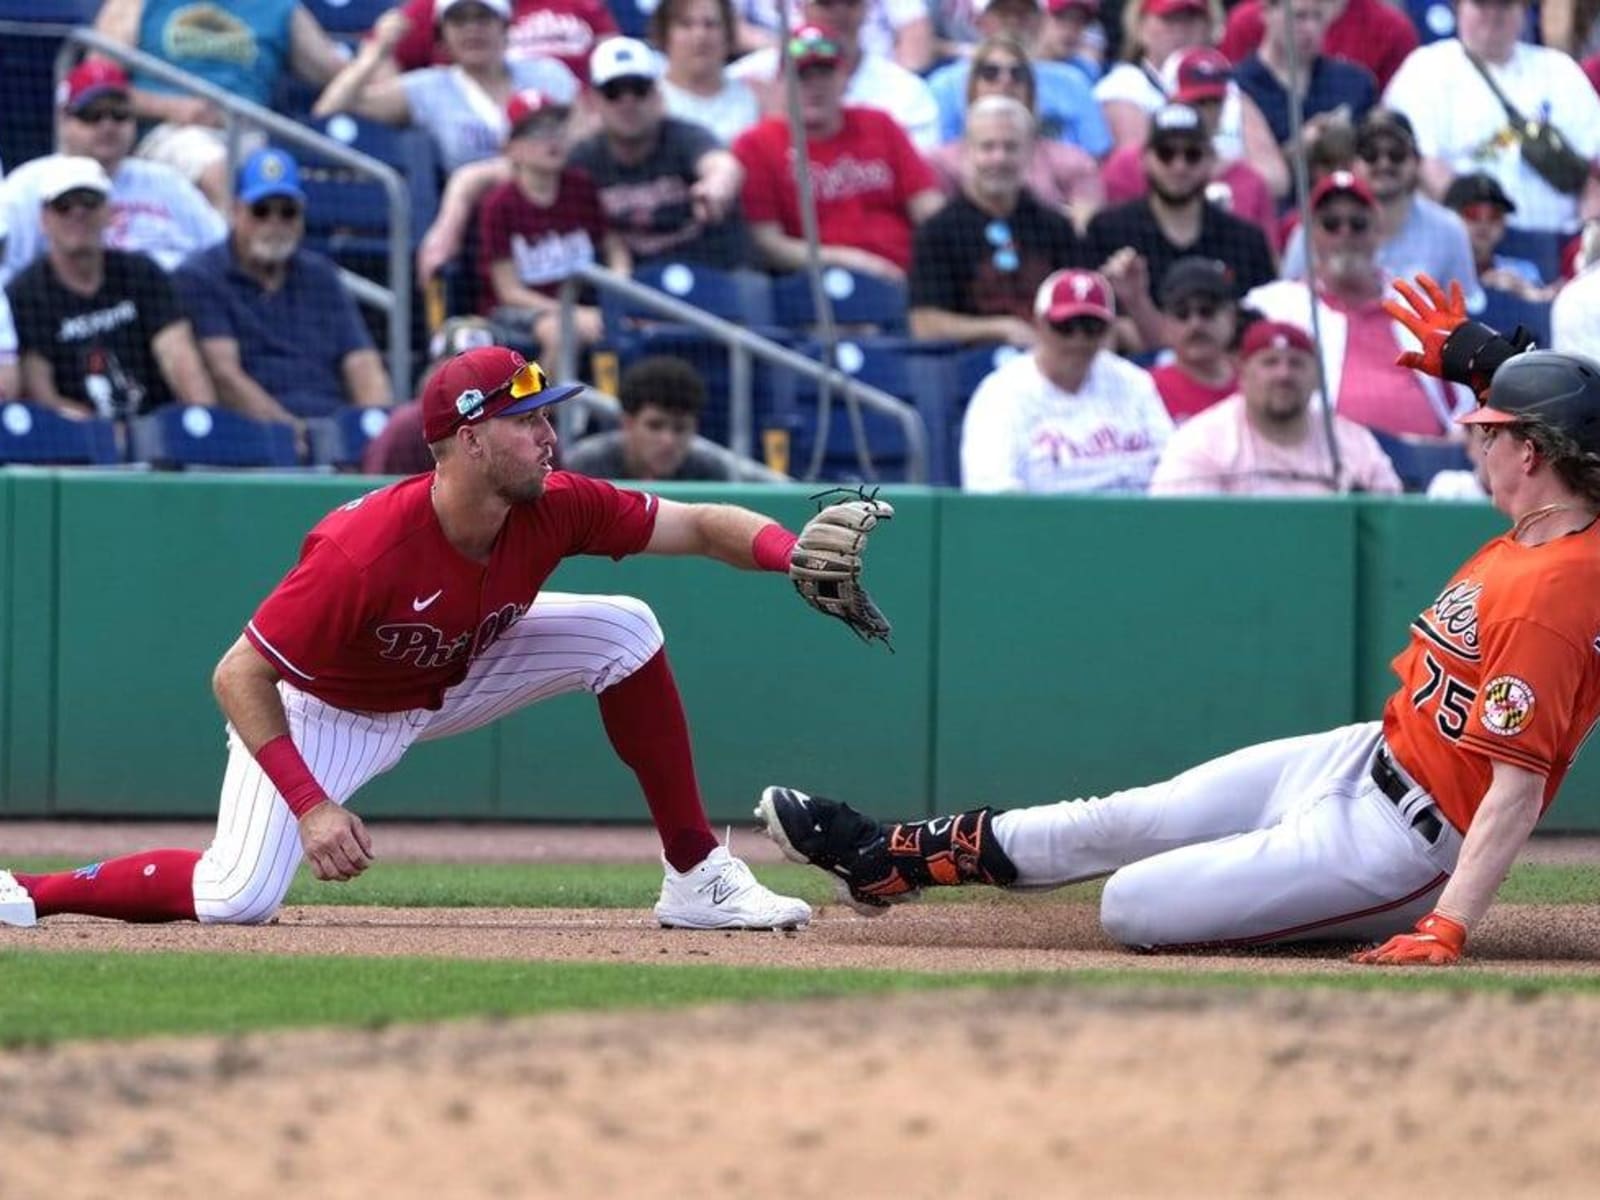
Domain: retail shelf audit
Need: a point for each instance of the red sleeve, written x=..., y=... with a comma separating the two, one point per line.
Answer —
x=598, y=15
x=1524, y=711
x=494, y=224
x=912, y=174
x=598, y=518
x=415, y=49
x=1242, y=34
x=313, y=613
x=760, y=177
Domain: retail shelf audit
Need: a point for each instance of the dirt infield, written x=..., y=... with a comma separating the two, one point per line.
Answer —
x=1044, y=1092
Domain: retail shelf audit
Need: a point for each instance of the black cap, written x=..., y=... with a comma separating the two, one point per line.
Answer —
x=1196, y=276
x=1563, y=390
x=1173, y=121
x=1380, y=122
x=1477, y=188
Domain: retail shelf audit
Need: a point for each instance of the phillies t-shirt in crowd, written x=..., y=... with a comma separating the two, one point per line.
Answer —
x=382, y=613
x=544, y=243
x=1184, y=395
x=564, y=29
x=862, y=178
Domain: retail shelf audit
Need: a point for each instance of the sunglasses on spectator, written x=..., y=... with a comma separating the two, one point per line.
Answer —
x=998, y=234
x=618, y=88
x=1204, y=309
x=991, y=72
x=1191, y=154
x=72, y=201
x=98, y=116
x=1397, y=155
x=1339, y=222
x=1089, y=327
x=1483, y=210
x=275, y=210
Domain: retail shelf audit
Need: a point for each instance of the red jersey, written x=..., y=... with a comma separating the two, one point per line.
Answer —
x=382, y=613
x=862, y=178
x=1503, y=666
x=1368, y=32
x=1184, y=395
x=544, y=243
x=564, y=29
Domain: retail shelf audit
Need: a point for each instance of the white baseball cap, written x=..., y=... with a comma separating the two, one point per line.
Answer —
x=72, y=173
x=500, y=8
x=622, y=58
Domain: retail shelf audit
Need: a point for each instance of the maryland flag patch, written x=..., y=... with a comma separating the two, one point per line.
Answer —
x=1507, y=705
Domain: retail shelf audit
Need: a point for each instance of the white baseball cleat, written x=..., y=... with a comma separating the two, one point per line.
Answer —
x=721, y=893
x=16, y=906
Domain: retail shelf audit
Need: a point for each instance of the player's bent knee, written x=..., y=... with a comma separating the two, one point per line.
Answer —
x=1127, y=913
x=242, y=911
x=645, y=637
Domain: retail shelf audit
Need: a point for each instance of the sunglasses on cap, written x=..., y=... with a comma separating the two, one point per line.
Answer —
x=71, y=202
x=1339, y=222
x=1397, y=156
x=528, y=381
x=98, y=115
x=275, y=209
x=635, y=86
x=991, y=72
x=1191, y=154
x=1080, y=326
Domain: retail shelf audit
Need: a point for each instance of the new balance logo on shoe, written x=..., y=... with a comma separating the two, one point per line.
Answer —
x=721, y=889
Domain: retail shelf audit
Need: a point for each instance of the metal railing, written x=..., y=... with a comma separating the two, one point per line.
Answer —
x=742, y=347
x=394, y=300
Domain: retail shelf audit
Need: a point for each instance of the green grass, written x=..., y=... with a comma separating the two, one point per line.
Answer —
x=635, y=885
x=47, y=997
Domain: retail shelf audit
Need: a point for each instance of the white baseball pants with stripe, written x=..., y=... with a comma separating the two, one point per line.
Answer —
x=564, y=643
x=1286, y=841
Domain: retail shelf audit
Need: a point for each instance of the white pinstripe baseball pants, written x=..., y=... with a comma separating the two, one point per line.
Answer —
x=564, y=643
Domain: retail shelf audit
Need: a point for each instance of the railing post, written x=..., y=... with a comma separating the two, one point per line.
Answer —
x=741, y=412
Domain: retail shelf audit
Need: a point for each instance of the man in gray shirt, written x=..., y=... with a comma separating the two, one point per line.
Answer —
x=661, y=401
x=1418, y=234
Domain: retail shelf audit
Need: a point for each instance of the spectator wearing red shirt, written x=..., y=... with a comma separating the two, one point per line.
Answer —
x=871, y=186
x=1200, y=309
x=564, y=29
x=540, y=225
x=1368, y=32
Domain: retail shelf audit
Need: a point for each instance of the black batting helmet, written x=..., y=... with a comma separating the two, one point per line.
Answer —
x=1562, y=390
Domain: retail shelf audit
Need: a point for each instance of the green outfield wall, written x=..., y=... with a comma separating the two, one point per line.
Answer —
x=1044, y=648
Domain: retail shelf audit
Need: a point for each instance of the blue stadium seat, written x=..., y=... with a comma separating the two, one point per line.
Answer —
x=348, y=16
x=633, y=16
x=744, y=297
x=858, y=300
x=1418, y=459
x=1506, y=310
x=27, y=64
x=917, y=372
x=1541, y=247
x=186, y=435
x=31, y=433
x=347, y=214
x=51, y=12
x=338, y=441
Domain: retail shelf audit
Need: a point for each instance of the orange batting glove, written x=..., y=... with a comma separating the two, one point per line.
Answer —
x=1436, y=942
x=1432, y=318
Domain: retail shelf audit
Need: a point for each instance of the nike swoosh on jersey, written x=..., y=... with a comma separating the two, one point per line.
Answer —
x=419, y=605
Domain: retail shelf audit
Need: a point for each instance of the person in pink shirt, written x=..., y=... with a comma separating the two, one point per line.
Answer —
x=1199, y=306
x=1368, y=32
x=1359, y=341
x=872, y=188
x=1267, y=440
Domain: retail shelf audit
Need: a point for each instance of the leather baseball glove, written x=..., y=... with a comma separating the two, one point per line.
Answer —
x=825, y=564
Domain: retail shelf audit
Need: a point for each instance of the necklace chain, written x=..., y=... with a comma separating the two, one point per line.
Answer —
x=1531, y=518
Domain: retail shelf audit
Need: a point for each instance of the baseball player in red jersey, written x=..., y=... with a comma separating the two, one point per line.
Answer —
x=1359, y=832
x=416, y=612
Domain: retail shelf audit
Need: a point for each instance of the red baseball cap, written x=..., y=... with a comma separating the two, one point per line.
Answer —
x=1072, y=293
x=814, y=44
x=1197, y=74
x=89, y=80
x=1342, y=183
x=491, y=381
x=1167, y=8
x=529, y=103
x=1274, y=335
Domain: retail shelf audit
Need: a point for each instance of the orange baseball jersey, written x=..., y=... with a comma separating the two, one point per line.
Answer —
x=1504, y=665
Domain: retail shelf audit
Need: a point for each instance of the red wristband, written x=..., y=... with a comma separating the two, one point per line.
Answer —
x=772, y=546
x=282, y=764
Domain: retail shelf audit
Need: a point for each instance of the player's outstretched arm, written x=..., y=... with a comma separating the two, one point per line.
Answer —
x=246, y=685
x=724, y=532
x=1496, y=836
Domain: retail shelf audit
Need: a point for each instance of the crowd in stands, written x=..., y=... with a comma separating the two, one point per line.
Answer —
x=1105, y=197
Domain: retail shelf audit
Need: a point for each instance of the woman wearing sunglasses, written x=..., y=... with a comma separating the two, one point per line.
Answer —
x=462, y=106
x=1060, y=176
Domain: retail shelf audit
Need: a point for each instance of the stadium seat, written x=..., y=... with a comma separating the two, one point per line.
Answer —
x=347, y=213
x=27, y=64
x=338, y=441
x=1541, y=247
x=633, y=16
x=347, y=16
x=858, y=300
x=744, y=297
x=1418, y=459
x=31, y=433
x=186, y=435
x=1506, y=310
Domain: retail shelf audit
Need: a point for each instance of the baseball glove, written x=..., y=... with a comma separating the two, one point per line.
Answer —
x=825, y=564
